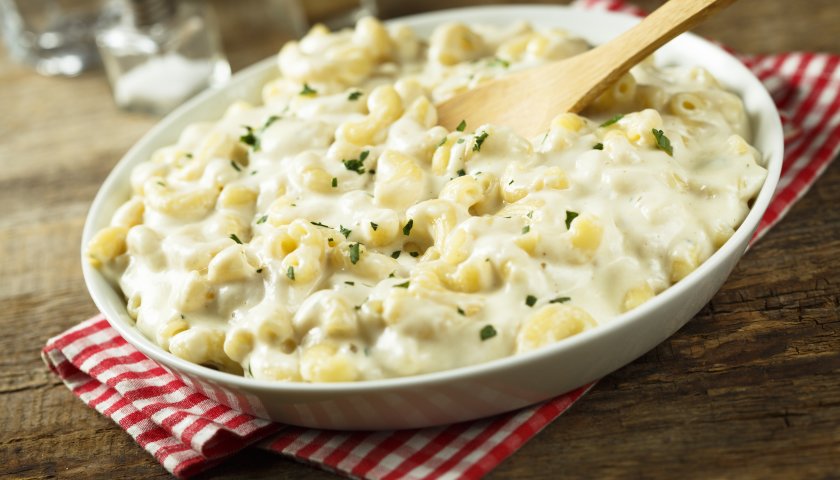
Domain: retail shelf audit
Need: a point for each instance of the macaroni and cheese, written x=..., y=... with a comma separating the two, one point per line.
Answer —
x=337, y=233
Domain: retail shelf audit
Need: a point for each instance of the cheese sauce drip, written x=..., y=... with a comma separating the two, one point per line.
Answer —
x=337, y=233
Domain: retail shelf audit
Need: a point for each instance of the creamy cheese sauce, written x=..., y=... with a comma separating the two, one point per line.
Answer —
x=337, y=233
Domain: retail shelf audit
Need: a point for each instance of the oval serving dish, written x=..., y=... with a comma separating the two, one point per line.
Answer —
x=480, y=390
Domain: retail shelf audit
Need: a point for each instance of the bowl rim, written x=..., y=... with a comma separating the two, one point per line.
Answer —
x=740, y=237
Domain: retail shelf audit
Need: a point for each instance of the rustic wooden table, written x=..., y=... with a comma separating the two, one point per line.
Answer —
x=748, y=389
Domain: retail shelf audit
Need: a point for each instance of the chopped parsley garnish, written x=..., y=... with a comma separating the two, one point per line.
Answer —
x=570, y=215
x=372, y=171
x=461, y=172
x=345, y=231
x=560, y=300
x=442, y=141
x=414, y=254
x=250, y=139
x=357, y=164
x=408, y=225
x=510, y=182
x=613, y=120
x=348, y=282
x=189, y=155
x=487, y=332
x=319, y=224
x=460, y=140
x=598, y=146
x=354, y=253
x=461, y=311
x=479, y=139
x=461, y=126
x=262, y=219
x=253, y=172
x=160, y=183
x=235, y=166
x=396, y=254
x=374, y=226
x=499, y=61
x=308, y=91
x=235, y=238
x=259, y=270
x=391, y=275
x=403, y=285
x=530, y=214
x=291, y=273
x=334, y=182
x=662, y=142
x=526, y=229
x=530, y=300
x=270, y=120
x=354, y=96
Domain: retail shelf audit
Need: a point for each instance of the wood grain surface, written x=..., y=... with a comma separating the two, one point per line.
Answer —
x=748, y=389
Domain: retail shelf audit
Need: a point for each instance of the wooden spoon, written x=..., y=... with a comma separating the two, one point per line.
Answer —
x=527, y=101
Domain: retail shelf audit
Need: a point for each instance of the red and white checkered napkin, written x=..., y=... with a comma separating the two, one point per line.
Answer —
x=187, y=432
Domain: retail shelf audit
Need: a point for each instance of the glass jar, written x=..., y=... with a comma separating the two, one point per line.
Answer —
x=159, y=53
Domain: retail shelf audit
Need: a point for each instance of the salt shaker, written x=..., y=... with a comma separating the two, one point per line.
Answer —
x=158, y=53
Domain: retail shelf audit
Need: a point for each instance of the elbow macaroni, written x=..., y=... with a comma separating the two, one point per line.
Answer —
x=345, y=236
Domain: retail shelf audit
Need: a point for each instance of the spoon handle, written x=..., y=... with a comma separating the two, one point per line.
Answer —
x=613, y=59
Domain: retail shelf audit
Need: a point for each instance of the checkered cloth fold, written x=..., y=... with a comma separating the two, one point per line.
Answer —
x=188, y=432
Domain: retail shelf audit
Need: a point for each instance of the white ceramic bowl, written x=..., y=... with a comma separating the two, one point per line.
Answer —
x=480, y=390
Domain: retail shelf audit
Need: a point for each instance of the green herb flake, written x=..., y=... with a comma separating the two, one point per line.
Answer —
x=291, y=273
x=662, y=142
x=461, y=311
x=570, y=215
x=364, y=155
x=189, y=155
x=526, y=229
x=348, y=282
x=235, y=166
x=396, y=254
x=262, y=219
x=414, y=254
x=461, y=126
x=374, y=226
x=530, y=300
x=250, y=138
x=500, y=62
x=334, y=182
x=403, y=285
x=319, y=224
x=530, y=214
x=235, y=238
x=407, y=227
x=354, y=96
x=160, y=183
x=510, y=182
x=461, y=172
x=460, y=140
x=598, y=146
x=270, y=120
x=354, y=253
x=613, y=120
x=442, y=141
x=487, y=332
x=560, y=300
x=345, y=231
x=308, y=91
x=479, y=140
x=354, y=165
x=253, y=172
x=259, y=270
x=391, y=275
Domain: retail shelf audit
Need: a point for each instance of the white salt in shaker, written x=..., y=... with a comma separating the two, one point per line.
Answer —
x=158, y=53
